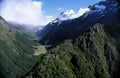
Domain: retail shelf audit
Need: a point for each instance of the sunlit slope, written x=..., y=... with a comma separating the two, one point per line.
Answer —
x=18, y=54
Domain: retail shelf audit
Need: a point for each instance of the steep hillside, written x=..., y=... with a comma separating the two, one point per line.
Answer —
x=94, y=54
x=18, y=54
x=85, y=47
x=27, y=30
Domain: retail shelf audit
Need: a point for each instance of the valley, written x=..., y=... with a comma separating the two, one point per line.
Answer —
x=73, y=45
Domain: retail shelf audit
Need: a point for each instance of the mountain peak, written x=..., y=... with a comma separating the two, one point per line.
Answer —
x=99, y=7
x=101, y=12
x=71, y=14
x=67, y=13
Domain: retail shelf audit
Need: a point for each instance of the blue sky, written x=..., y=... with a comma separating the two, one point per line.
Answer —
x=39, y=12
x=50, y=7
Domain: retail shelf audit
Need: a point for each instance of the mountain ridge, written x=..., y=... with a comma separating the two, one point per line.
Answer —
x=85, y=47
x=94, y=54
x=72, y=28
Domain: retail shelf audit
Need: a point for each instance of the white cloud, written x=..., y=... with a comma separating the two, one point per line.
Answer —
x=38, y=4
x=24, y=12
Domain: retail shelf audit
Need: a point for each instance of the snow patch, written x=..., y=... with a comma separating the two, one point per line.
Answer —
x=71, y=14
x=100, y=7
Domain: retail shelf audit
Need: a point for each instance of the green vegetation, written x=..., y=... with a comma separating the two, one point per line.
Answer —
x=18, y=54
x=94, y=54
x=27, y=32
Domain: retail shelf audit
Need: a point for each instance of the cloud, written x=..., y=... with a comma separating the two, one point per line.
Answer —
x=24, y=12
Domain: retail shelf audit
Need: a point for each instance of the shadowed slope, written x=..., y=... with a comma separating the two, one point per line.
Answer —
x=94, y=54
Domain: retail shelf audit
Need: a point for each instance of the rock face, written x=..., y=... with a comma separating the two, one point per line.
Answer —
x=17, y=53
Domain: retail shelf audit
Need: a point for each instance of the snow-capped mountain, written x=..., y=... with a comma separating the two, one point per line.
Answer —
x=105, y=12
x=71, y=14
x=104, y=6
x=98, y=7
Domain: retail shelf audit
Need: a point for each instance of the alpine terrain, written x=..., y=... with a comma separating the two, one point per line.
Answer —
x=83, y=47
x=18, y=54
x=74, y=45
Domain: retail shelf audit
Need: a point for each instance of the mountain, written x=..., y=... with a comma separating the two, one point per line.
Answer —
x=66, y=15
x=101, y=12
x=93, y=54
x=70, y=14
x=27, y=30
x=18, y=54
x=85, y=47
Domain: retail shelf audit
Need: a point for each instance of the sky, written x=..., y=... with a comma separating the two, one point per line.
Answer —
x=53, y=7
x=39, y=12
